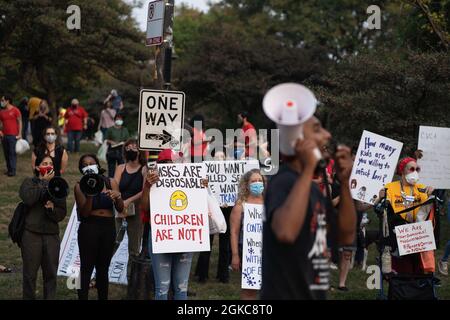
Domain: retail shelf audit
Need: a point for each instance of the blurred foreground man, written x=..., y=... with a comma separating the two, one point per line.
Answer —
x=300, y=221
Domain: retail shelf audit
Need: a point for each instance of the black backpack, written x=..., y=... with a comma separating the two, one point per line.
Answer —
x=17, y=224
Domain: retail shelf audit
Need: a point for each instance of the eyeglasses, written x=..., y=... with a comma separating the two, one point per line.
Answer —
x=412, y=169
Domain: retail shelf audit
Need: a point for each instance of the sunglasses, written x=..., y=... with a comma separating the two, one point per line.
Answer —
x=412, y=169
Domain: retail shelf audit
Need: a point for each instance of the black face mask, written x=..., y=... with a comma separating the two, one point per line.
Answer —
x=131, y=155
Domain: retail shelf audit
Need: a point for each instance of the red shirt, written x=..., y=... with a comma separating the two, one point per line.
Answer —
x=75, y=118
x=9, y=120
x=249, y=152
x=199, y=149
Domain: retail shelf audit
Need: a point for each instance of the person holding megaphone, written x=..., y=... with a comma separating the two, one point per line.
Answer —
x=45, y=200
x=299, y=219
x=96, y=198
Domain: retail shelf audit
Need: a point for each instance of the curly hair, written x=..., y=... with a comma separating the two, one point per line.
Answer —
x=244, y=190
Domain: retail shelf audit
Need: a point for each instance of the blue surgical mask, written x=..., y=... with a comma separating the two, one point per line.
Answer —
x=256, y=188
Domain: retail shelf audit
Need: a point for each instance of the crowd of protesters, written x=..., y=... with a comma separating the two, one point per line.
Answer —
x=310, y=217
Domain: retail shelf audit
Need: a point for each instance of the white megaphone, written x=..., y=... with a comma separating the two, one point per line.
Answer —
x=290, y=105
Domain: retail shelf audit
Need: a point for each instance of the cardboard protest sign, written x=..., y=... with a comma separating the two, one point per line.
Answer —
x=69, y=255
x=435, y=163
x=179, y=210
x=415, y=237
x=374, y=166
x=252, y=246
x=223, y=177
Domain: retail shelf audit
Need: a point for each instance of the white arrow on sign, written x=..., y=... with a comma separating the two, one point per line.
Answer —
x=161, y=120
x=155, y=23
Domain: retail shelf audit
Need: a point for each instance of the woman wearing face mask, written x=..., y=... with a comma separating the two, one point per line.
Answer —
x=251, y=191
x=130, y=178
x=115, y=137
x=97, y=232
x=51, y=147
x=401, y=195
x=41, y=120
x=40, y=240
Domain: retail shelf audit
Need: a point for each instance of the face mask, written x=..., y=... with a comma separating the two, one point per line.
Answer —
x=412, y=178
x=74, y=106
x=92, y=169
x=50, y=138
x=131, y=155
x=256, y=188
x=44, y=170
x=119, y=122
x=3, y=104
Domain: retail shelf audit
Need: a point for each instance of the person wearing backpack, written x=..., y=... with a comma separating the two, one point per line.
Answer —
x=40, y=240
x=96, y=233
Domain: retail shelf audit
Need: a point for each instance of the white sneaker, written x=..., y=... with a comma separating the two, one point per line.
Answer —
x=333, y=266
x=443, y=267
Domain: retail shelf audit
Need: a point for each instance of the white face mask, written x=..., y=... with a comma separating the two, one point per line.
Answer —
x=412, y=178
x=90, y=169
x=50, y=138
x=119, y=122
x=3, y=104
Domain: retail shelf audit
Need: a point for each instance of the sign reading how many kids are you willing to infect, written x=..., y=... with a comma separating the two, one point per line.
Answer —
x=374, y=166
x=179, y=210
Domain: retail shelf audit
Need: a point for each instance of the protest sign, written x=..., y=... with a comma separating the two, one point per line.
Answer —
x=252, y=246
x=223, y=178
x=374, y=166
x=415, y=237
x=69, y=255
x=435, y=163
x=179, y=210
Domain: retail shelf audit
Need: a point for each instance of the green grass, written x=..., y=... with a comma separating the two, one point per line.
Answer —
x=11, y=284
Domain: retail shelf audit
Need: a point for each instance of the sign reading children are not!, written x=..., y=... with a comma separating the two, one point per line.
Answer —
x=374, y=166
x=179, y=209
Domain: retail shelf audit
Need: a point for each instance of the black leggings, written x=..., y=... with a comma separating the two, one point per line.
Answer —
x=96, y=237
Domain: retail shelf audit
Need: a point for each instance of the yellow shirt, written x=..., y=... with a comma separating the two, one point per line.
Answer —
x=33, y=106
x=397, y=200
x=61, y=119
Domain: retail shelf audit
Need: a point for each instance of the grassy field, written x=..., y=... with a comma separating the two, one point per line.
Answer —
x=11, y=284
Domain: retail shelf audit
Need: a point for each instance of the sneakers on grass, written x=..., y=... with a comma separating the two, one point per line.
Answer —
x=443, y=267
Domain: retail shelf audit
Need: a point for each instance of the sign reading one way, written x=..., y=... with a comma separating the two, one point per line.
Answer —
x=155, y=23
x=161, y=120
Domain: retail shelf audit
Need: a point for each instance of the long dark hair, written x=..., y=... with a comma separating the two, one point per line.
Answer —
x=141, y=154
x=93, y=156
x=41, y=148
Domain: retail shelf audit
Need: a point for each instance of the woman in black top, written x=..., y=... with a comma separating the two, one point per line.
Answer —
x=50, y=147
x=41, y=119
x=130, y=178
x=96, y=233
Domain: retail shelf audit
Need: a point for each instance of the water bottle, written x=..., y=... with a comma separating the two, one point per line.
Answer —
x=386, y=262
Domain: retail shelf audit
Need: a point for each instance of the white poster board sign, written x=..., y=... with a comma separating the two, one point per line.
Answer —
x=374, y=166
x=252, y=246
x=435, y=163
x=179, y=209
x=69, y=255
x=224, y=176
x=415, y=237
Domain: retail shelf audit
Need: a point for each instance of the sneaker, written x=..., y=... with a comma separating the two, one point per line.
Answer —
x=345, y=289
x=443, y=267
x=333, y=266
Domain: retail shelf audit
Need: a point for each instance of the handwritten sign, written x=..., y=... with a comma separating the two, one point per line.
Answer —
x=224, y=176
x=435, y=163
x=415, y=237
x=374, y=166
x=69, y=255
x=179, y=209
x=252, y=246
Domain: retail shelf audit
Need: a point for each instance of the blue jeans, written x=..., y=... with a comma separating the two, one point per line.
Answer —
x=9, y=150
x=73, y=137
x=447, y=252
x=170, y=269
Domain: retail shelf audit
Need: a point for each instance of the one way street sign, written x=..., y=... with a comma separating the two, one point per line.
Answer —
x=161, y=120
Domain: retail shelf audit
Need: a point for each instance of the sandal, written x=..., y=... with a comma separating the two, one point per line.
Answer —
x=4, y=269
